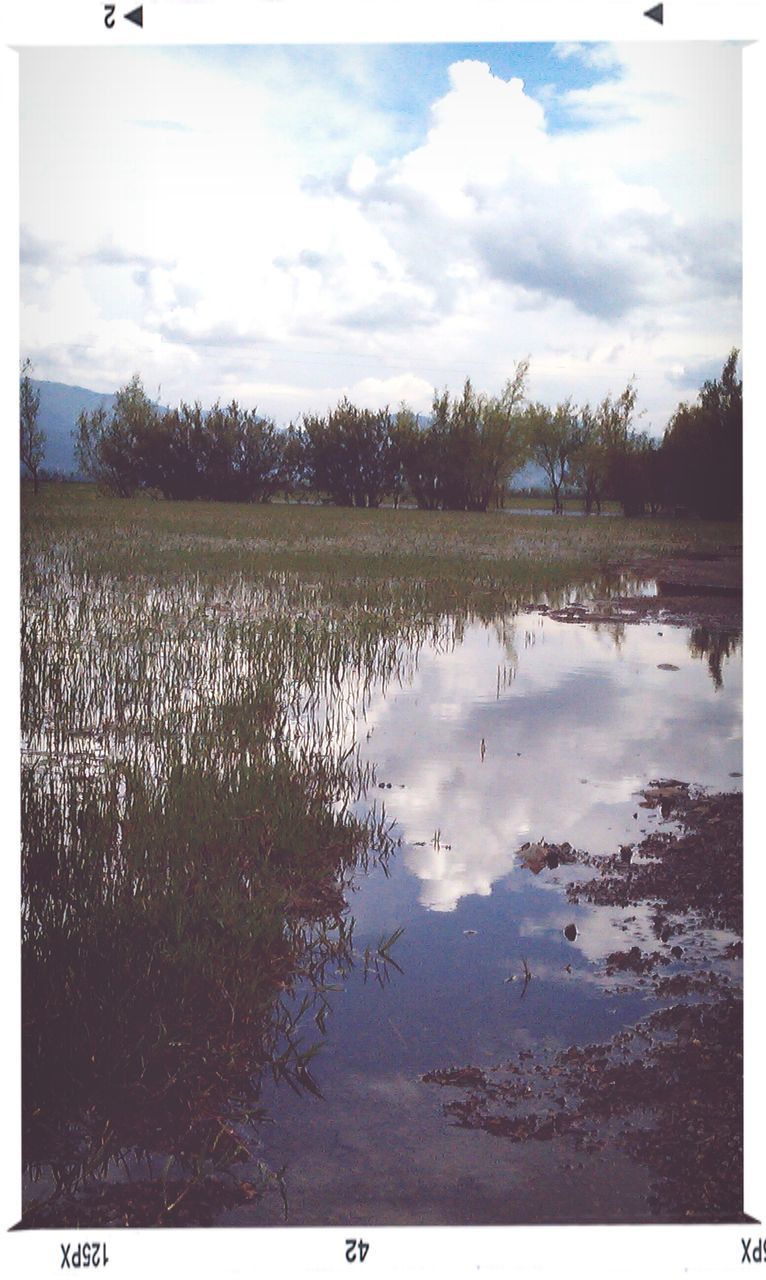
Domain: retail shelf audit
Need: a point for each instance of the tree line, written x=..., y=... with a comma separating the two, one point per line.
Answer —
x=460, y=457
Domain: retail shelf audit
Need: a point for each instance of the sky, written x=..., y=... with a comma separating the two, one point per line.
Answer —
x=285, y=225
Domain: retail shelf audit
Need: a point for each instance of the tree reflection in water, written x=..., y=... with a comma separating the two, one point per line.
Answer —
x=714, y=647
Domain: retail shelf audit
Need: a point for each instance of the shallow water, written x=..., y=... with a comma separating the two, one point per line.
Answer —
x=527, y=729
x=547, y=511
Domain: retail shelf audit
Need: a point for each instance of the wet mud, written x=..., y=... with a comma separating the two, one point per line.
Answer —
x=700, y=591
x=692, y=876
x=666, y=1091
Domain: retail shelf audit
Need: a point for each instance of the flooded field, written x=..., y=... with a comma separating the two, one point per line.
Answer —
x=526, y=730
x=340, y=906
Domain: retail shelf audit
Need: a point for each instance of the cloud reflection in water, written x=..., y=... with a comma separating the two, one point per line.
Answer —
x=575, y=720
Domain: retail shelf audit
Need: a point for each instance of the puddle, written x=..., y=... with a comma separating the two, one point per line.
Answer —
x=529, y=730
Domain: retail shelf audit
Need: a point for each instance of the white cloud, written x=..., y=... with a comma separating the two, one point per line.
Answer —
x=222, y=229
x=375, y=393
x=593, y=55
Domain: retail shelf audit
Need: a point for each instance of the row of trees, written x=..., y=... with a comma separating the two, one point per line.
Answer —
x=460, y=458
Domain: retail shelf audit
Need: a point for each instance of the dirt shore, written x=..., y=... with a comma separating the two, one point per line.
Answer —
x=700, y=589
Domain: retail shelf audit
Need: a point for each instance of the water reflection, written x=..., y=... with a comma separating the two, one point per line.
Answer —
x=208, y=778
x=165, y=929
x=714, y=647
x=574, y=721
x=188, y=837
x=573, y=726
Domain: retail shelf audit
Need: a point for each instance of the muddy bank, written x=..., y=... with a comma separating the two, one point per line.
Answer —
x=693, y=875
x=666, y=1091
x=699, y=590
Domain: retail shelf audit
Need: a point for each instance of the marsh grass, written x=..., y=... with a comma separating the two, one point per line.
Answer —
x=166, y=924
x=411, y=561
x=379, y=960
x=189, y=778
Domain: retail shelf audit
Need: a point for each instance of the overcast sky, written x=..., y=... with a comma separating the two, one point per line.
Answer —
x=287, y=224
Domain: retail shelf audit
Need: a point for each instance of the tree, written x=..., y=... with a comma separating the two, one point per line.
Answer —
x=455, y=426
x=589, y=467
x=604, y=436
x=31, y=435
x=259, y=458
x=702, y=448
x=554, y=437
x=635, y=478
x=111, y=448
x=504, y=443
x=173, y=453
x=418, y=452
x=350, y=454
x=296, y=472
x=463, y=458
x=482, y=443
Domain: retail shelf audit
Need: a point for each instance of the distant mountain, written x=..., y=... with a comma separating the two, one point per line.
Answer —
x=60, y=407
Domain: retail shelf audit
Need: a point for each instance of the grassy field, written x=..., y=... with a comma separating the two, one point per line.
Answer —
x=459, y=558
x=192, y=675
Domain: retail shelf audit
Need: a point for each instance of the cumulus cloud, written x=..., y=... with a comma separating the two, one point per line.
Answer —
x=492, y=185
x=37, y=252
x=254, y=226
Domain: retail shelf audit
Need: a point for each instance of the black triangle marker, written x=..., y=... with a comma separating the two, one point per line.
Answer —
x=655, y=14
x=137, y=15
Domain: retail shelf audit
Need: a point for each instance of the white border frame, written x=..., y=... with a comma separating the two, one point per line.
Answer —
x=416, y=1251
